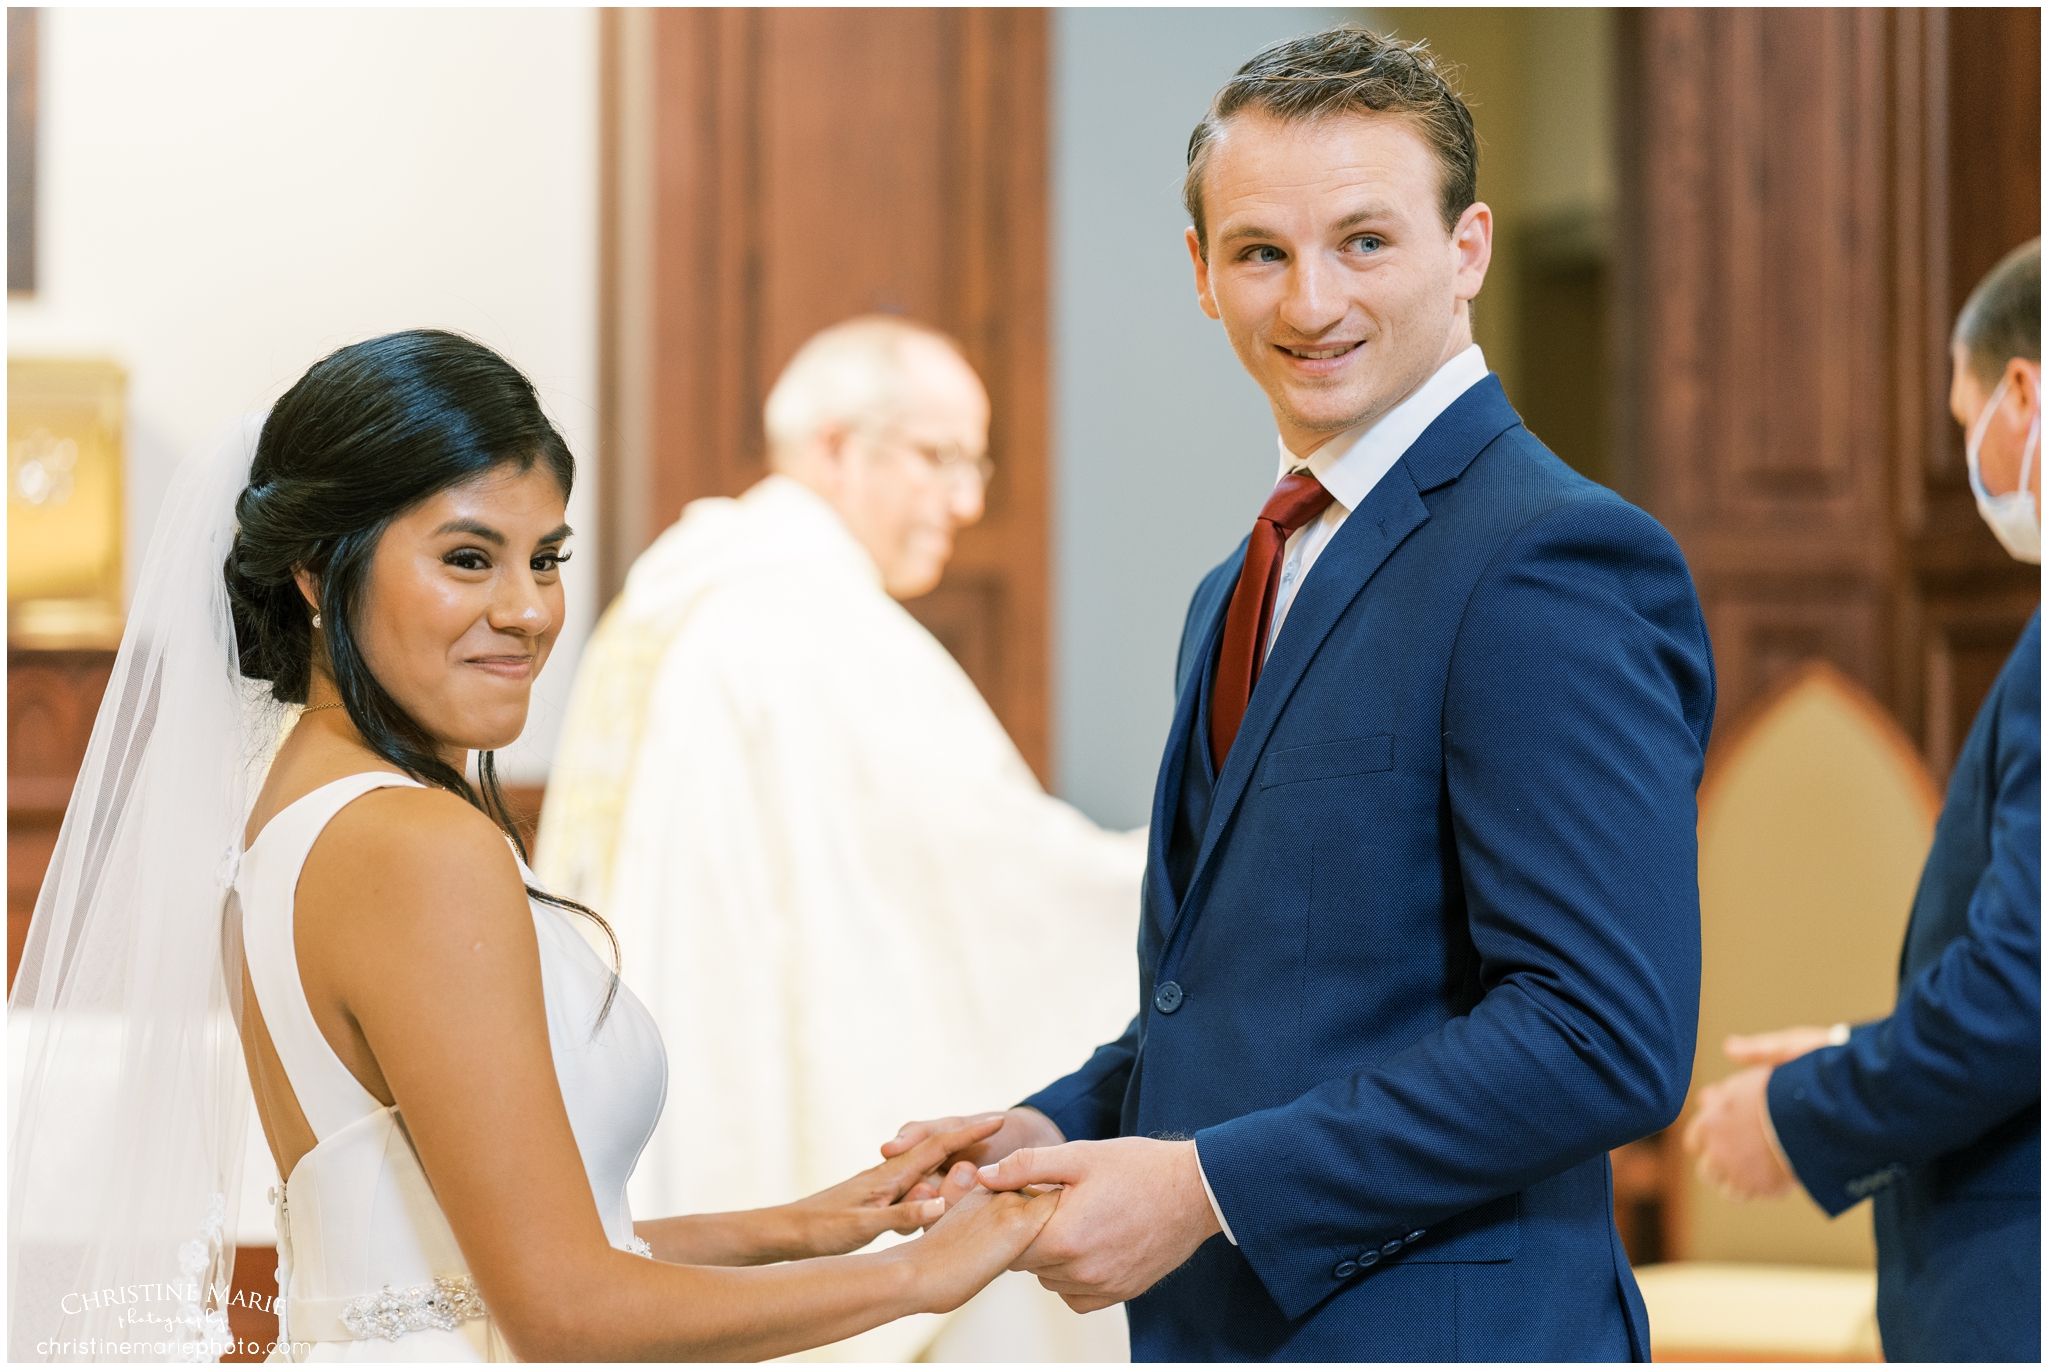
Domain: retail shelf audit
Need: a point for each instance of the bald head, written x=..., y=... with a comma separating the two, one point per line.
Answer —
x=885, y=420
x=868, y=372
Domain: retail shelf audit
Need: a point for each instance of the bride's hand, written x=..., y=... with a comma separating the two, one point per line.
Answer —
x=980, y=1237
x=891, y=1197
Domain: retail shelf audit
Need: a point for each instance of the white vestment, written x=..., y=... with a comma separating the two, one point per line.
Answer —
x=836, y=884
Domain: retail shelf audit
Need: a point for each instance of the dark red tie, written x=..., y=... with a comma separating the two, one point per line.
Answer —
x=1297, y=500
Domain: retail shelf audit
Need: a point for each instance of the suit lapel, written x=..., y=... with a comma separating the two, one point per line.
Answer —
x=1180, y=742
x=1390, y=513
x=1369, y=536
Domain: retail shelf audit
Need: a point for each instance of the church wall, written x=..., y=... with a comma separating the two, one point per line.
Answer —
x=1163, y=449
x=227, y=195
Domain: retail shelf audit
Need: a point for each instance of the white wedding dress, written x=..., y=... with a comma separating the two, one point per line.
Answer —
x=368, y=1269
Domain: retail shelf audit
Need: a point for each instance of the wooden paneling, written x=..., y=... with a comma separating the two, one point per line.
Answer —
x=252, y=1307
x=1808, y=195
x=1763, y=337
x=1993, y=131
x=773, y=171
x=52, y=699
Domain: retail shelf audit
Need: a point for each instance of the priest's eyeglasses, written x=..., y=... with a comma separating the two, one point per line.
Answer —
x=947, y=459
x=950, y=459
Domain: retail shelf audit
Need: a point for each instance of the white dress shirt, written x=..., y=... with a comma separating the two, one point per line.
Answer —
x=1349, y=466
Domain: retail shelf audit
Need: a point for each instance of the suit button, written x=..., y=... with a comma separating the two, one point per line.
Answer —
x=1168, y=998
x=1391, y=1247
x=1417, y=1235
x=1345, y=1269
x=1368, y=1258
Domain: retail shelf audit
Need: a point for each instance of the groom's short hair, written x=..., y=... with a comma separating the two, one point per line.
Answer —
x=1347, y=70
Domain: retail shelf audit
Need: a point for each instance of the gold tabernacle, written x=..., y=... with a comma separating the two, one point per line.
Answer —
x=64, y=517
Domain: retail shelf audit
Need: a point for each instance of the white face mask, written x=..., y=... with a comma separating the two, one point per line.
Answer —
x=2012, y=516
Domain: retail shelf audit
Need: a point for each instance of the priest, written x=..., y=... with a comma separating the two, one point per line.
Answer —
x=834, y=880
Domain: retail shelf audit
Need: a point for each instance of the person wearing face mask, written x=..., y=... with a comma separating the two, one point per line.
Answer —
x=2014, y=513
x=1934, y=1113
x=820, y=849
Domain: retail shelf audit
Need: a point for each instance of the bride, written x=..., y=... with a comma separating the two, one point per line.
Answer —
x=454, y=1084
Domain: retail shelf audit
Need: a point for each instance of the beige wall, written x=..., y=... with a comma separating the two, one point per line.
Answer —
x=1814, y=824
x=1151, y=408
x=1539, y=85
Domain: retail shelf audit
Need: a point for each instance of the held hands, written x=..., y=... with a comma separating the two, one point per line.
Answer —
x=1019, y=1127
x=1730, y=1136
x=895, y=1196
x=982, y=1234
x=980, y=1237
x=1132, y=1210
x=1129, y=1210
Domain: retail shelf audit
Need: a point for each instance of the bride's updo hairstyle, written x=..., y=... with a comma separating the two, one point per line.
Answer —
x=365, y=435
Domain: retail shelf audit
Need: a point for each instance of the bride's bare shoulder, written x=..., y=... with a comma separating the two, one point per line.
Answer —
x=409, y=830
x=402, y=851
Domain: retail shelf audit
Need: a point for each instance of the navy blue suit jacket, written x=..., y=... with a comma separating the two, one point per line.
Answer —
x=1936, y=1110
x=1429, y=945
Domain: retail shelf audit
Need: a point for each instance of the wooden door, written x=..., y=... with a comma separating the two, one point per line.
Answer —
x=1808, y=197
x=773, y=171
x=52, y=699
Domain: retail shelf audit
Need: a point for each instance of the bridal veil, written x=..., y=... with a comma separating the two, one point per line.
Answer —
x=127, y=1097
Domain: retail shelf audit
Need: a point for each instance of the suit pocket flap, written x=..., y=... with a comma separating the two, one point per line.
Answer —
x=1327, y=760
x=1490, y=1232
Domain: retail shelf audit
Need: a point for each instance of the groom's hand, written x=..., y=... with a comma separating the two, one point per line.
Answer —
x=1021, y=1127
x=895, y=1196
x=1134, y=1210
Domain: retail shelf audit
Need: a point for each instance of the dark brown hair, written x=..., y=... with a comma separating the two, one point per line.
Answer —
x=1347, y=70
x=2002, y=318
x=363, y=436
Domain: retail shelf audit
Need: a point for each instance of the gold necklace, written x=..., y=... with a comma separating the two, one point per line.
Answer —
x=310, y=708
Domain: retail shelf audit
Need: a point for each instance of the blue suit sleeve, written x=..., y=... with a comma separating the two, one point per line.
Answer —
x=1087, y=1105
x=1575, y=722
x=1962, y=1050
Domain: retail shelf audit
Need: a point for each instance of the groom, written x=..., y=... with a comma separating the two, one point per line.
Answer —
x=1421, y=929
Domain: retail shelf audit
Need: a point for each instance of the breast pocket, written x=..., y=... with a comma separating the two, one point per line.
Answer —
x=1327, y=761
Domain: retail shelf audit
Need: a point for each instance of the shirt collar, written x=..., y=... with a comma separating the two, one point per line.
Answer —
x=1351, y=464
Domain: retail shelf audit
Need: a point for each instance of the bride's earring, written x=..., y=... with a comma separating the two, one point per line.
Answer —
x=316, y=620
